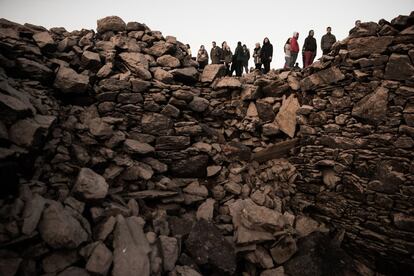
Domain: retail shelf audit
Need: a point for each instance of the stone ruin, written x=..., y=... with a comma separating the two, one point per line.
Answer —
x=118, y=157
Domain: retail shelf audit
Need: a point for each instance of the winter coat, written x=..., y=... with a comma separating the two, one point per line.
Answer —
x=327, y=41
x=202, y=56
x=215, y=55
x=287, y=50
x=256, y=55
x=238, y=53
x=267, y=52
x=310, y=44
x=246, y=56
x=226, y=56
x=294, y=46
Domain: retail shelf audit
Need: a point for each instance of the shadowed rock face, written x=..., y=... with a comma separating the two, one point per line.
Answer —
x=118, y=156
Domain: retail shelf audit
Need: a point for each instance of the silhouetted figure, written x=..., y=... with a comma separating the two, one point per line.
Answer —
x=215, y=54
x=309, y=48
x=294, y=48
x=327, y=41
x=286, y=49
x=239, y=57
x=188, y=49
x=256, y=57
x=246, y=57
x=266, y=55
x=202, y=57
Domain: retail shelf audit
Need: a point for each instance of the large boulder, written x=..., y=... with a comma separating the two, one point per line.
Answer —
x=44, y=40
x=90, y=60
x=195, y=166
x=12, y=108
x=399, y=67
x=161, y=48
x=373, y=107
x=154, y=123
x=34, y=70
x=68, y=81
x=207, y=245
x=31, y=132
x=213, y=71
x=131, y=248
x=286, y=117
x=327, y=76
x=188, y=75
x=59, y=229
x=110, y=23
x=227, y=82
x=90, y=185
x=168, y=61
x=365, y=46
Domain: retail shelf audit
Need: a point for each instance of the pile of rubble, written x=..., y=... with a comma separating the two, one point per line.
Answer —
x=120, y=157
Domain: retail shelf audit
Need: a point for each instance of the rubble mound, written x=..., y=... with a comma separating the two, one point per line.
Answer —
x=118, y=156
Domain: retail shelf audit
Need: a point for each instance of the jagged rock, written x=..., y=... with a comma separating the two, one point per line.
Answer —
x=68, y=81
x=169, y=251
x=136, y=147
x=172, y=142
x=250, y=92
x=365, y=46
x=327, y=76
x=135, y=26
x=100, y=260
x=206, y=210
x=154, y=123
x=372, y=107
x=163, y=76
x=286, y=118
x=44, y=40
x=90, y=185
x=196, y=189
x=131, y=248
x=404, y=221
x=208, y=246
x=170, y=111
x=161, y=48
x=59, y=260
x=399, y=67
x=99, y=128
x=199, y=104
x=90, y=60
x=137, y=63
x=12, y=108
x=34, y=70
x=213, y=71
x=138, y=171
x=32, y=212
x=188, y=75
x=213, y=170
x=305, y=226
x=283, y=250
x=32, y=131
x=110, y=23
x=59, y=229
x=195, y=166
x=74, y=271
x=227, y=82
x=168, y=61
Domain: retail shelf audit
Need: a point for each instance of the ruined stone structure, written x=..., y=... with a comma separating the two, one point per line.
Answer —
x=119, y=157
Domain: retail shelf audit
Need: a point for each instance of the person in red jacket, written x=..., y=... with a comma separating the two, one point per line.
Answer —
x=294, y=48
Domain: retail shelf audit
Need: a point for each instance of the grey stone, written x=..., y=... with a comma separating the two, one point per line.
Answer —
x=90, y=185
x=110, y=23
x=68, y=81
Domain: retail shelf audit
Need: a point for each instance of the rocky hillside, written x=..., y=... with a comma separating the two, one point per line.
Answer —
x=118, y=156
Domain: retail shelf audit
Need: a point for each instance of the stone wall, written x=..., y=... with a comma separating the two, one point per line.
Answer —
x=114, y=142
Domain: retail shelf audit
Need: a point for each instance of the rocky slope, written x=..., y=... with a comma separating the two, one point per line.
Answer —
x=117, y=156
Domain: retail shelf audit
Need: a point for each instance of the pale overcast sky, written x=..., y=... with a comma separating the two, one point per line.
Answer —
x=200, y=22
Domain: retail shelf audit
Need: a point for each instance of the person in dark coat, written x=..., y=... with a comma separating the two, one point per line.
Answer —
x=266, y=55
x=215, y=54
x=256, y=57
x=226, y=56
x=309, y=49
x=246, y=57
x=327, y=41
x=238, y=58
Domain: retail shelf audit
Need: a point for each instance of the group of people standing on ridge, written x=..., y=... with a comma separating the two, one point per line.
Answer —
x=263, y=55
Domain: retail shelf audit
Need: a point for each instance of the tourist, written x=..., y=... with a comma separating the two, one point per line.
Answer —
x=357, y=24
x=256, y=57
x=238, y=60
x=226, y=56
x=286, y=48
x=309, y=48
x=246, y=57
x=188, y=50
x=294, y=48
x=327, y=41
x=202, y=57
x=215, y=54
x=266, y=55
